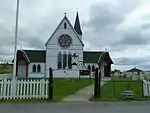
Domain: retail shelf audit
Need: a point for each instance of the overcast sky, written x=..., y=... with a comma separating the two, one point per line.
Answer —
x=121, y=27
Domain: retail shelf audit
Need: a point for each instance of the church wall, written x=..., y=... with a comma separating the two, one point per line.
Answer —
x=54, y=39
x=62, y=25
x=102, y=71
x=51, y=57
x=36, y=74
x=53, y=48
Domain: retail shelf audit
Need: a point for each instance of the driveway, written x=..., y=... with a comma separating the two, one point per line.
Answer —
x=76, y=107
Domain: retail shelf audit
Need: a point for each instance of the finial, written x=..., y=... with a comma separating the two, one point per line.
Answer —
x=77, y=10
x=65, y=13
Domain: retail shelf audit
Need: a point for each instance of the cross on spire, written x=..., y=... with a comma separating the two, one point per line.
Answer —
x=65, y=13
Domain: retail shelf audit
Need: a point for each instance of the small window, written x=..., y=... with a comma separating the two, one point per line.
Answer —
x=93, y=68
x=89, y=67
x=34, y=68
x=65, y=25
x=39, y=68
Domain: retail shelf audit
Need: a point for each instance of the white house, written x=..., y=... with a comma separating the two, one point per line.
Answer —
x=64, y=54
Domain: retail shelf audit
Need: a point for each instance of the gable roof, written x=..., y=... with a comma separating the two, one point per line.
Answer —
x=19, y=52
x=105, y=56
x=134, y=70
x=36, y=55
x=77, y=26
x=71, y=28
x=40, y=56
x=93, y=57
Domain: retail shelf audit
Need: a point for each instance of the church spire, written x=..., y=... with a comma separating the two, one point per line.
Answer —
x=77, y=26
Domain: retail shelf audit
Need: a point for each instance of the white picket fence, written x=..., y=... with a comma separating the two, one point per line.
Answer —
x=24, y=89
x=146, y=88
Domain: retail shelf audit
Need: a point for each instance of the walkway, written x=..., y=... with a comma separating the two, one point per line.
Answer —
x=84, y=94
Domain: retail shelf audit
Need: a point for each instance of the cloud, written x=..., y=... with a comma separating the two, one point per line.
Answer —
x=105, y=21
x=126, y=63
x=120, y=26
x=34, y=42
x=131, y=61
x=132, y=37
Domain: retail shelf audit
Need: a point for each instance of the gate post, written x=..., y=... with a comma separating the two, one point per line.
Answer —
x=99, y=82
x=50, y=89
x=96, y=83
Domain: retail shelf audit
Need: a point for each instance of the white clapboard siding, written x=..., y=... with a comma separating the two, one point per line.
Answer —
x=146, y=88
x=24, y=89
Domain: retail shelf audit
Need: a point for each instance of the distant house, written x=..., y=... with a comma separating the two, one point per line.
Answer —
x=135, y=71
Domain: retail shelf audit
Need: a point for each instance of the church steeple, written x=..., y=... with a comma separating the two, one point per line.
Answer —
x=77, y=26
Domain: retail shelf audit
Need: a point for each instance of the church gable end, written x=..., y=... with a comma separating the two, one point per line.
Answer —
x=64, y=28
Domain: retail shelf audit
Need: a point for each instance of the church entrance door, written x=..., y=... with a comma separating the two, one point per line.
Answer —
x=22, y=71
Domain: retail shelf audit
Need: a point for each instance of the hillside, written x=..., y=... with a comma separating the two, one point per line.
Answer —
x=6, y=68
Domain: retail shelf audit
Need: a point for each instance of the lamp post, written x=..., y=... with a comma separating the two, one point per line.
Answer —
x=16, y=36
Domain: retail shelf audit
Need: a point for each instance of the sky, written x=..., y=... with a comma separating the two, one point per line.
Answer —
x=121, y=27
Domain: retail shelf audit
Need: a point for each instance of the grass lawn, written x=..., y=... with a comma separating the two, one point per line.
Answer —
x=111, y=91
x=64, y=87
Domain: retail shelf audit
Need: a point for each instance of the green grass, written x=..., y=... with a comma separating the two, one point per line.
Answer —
x=111, y=91
x=64, y=87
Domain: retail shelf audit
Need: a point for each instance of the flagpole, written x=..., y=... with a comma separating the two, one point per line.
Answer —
x=16, y=36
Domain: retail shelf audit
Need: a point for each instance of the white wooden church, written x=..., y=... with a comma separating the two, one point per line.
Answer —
x=64, y=54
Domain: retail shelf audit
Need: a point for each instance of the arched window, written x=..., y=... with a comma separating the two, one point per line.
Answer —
x=59, y=60
x=34, y=68
x=38, y=68
x=64, y=60
x=89, y=67
x=65, y=25
x=69, y=61
x=93, y=68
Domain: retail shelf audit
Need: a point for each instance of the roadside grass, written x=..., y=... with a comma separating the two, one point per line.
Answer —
x=61, y=88
x=111, y=91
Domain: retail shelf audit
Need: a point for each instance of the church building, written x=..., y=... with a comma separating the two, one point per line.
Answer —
x=64, y=54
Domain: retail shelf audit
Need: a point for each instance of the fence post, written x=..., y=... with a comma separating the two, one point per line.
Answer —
x=50, y=89
x=114, y=88
x=142, y=88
